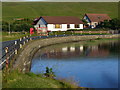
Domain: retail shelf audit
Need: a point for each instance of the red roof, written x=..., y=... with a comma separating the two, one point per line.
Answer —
x=61, y=20
x=98, y=17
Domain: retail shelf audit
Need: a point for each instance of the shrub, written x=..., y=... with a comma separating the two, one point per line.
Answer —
x=49, y=73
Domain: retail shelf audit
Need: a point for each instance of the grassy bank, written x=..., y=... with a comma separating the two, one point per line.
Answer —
x=12, y=10
x=13, y=36
x=16, y=79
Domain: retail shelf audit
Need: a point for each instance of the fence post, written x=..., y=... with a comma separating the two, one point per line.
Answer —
x=30, y=39
x=27, y=40
x=15, y=51
x=7, y=57
x=24, y=37
x=20, y=39
x=16, y=47
x=15, y=42
x=20, y=43
x=24, y=42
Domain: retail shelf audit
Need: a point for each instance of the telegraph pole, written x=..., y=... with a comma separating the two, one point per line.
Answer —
x=9, y=28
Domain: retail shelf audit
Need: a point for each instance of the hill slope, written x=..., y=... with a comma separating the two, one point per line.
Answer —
x=11, y=10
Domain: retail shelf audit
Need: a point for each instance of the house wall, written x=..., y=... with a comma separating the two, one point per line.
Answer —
x=87, y=19
x=41, y=26
x=81, y=26
x=41, y=22
x=94, y=24
x=51, y=27
x=72, y=26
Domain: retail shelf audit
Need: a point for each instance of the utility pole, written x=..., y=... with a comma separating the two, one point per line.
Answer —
x=9, y=28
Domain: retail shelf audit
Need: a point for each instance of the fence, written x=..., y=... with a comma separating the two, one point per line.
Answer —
x=11, y=49
x=8, y=51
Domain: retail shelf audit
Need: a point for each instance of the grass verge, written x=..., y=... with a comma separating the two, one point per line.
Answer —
x=17, y=79
x=13, y=36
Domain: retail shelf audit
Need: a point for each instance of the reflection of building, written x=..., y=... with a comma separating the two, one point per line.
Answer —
x=81, y=48
x=64, y=52
x=77, y=51
x=72, y=49
x=64, y=49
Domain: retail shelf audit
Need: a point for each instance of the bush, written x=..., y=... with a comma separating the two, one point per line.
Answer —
x=111, y=24
x=49, y=73
x=22, y=25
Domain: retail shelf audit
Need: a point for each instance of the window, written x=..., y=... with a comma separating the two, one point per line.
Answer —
x=58, y=26
x=68, y=25
x=77, y=26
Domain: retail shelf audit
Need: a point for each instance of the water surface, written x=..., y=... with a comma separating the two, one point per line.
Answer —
x=89, y=64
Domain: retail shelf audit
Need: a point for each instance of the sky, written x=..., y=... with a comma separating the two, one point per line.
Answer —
x=61, y=0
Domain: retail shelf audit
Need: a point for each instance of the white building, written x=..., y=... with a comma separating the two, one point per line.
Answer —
x=94, y=19
x=57, y=23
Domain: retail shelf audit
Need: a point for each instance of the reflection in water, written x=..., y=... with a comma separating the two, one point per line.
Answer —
x=81, y=48
x=64, y=49
x=72, y=51
x=94, y=66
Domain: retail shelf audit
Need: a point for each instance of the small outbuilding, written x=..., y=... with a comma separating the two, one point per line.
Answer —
x=93, y=20
x=57, y=23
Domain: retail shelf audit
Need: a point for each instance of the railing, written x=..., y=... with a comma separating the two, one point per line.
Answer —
x=11, y=49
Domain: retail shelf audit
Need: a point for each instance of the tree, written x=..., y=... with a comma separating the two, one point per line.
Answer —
x=19, y=25
x=111, y=24
x=5, y=26
x=105, y=24
x=115, y=24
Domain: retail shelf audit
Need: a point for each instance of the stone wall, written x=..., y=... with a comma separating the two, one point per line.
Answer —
x=91, y=32
x=100, y=32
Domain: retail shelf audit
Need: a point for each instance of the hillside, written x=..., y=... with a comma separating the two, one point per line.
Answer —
x=11, y=10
